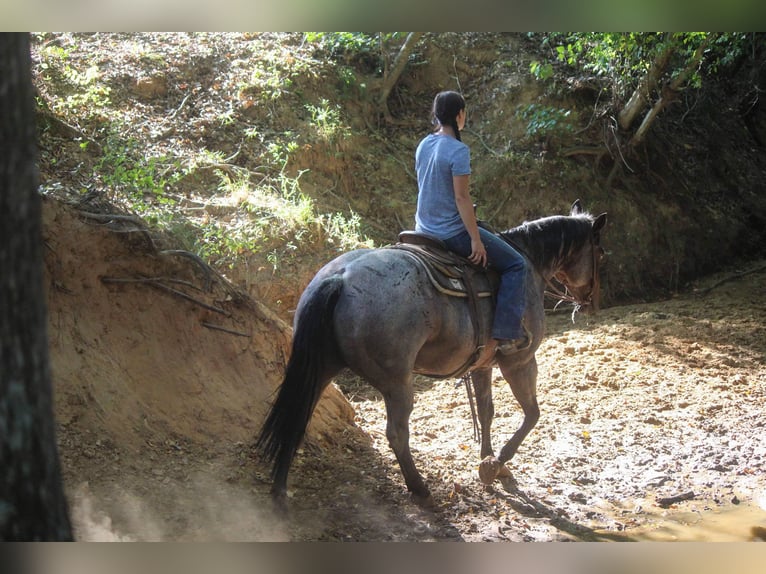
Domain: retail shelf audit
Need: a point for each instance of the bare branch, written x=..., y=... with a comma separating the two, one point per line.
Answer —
x=400, y=62
x=111, y=217
x=670, y=92
x=156, y=284
x=641, y=96
x=224, y=329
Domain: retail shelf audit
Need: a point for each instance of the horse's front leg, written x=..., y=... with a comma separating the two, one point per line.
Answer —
x=523, y=381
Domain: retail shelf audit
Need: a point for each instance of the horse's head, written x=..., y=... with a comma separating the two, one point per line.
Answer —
x=579, y=270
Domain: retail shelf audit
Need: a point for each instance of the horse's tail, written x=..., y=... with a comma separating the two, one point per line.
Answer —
x=314, y=355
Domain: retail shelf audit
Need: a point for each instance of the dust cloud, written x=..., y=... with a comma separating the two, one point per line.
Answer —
x=205, y=510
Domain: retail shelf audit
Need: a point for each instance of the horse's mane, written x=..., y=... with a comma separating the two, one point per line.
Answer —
x=551, y=239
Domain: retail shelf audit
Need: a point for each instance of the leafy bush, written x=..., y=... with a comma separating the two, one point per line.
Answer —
x=141, y=181
x=543, y=121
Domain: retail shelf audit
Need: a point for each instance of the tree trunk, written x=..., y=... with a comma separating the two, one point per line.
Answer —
x=641, y=96
x=400, y=62
x=32, y=502
x=670, y=91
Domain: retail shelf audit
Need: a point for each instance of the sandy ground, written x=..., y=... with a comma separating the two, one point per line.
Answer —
x=639, y=404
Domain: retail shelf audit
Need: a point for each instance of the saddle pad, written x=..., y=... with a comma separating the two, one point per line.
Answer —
x=447, y=271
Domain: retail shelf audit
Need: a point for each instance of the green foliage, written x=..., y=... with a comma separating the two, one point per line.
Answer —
x=339, y=44
x=257, y=209
x=277, y=74
x=624, y=58
x=359, y=49
x=280, y=150
x=129, y=175
x=326, y=119
x=728, y=49
x=273, y=82
x=345, y=231
x=541, y=71
x=79, y=93
x=348, y=83
x=273, y=218
x=543, y=121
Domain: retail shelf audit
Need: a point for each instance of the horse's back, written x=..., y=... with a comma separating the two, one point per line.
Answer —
x=382, y=284
x=374, y=282
x=388, y=311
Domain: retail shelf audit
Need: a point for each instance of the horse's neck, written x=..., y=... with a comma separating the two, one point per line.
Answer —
x=545, y=242
x=540, y=263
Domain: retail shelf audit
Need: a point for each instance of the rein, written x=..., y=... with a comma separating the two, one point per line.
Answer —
x=555, y=293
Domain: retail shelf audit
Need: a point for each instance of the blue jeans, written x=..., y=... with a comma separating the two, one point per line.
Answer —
x=511, y=296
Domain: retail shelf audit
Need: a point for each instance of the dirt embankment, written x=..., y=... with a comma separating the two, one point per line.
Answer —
x=157, y=409
x=158, y=364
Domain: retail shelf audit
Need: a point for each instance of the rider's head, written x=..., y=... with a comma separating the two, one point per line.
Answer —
x=446, y=109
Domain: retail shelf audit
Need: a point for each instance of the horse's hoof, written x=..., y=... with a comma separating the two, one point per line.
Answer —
x=490, y=468
x=279, y=503
x=504, y=472
x=423, y=501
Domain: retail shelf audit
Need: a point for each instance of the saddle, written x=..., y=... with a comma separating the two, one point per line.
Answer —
x=455, y=276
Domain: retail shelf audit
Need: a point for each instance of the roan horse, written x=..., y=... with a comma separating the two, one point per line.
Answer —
x=375, y=312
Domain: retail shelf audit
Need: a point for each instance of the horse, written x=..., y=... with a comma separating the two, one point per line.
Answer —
x=375, y=312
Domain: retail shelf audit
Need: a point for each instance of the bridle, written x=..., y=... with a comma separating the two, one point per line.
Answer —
x=553, y=291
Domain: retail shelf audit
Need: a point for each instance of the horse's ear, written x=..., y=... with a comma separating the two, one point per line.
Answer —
x=599, y=223
x=576, y=208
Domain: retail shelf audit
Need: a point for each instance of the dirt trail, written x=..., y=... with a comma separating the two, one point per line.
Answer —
x=638, y=404
x=157, y=413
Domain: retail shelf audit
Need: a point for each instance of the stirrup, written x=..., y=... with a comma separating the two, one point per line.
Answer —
x=510, y=346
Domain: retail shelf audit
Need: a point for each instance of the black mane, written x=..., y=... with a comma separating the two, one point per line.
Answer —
x=550, y=240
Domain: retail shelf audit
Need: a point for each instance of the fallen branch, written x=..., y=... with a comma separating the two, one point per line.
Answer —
x=481, y=140
x=669, y=500
x=584, y=150
x=390, y=77
x=703, y=292
x=68, y=130
x=176, y=292
x=107, y=218
x=224, y=329
x=110, y=217
x=179, y=108
x=151, y=280
x=198, y=260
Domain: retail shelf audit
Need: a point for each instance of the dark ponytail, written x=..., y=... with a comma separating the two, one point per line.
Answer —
x=446, y=107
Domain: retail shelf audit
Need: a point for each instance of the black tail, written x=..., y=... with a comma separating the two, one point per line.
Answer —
x=314, y=355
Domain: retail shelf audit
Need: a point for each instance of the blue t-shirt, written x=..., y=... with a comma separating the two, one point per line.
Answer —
x=437, y=159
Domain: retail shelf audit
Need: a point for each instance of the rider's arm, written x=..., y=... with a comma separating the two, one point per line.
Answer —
x=464, y=203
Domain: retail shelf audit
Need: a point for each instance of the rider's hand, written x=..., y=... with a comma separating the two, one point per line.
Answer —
x=478, y=254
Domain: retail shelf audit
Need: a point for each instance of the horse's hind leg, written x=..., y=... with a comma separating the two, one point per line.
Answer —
x=399, y=399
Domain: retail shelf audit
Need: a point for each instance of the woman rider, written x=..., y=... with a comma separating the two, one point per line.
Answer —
x=445, y=210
